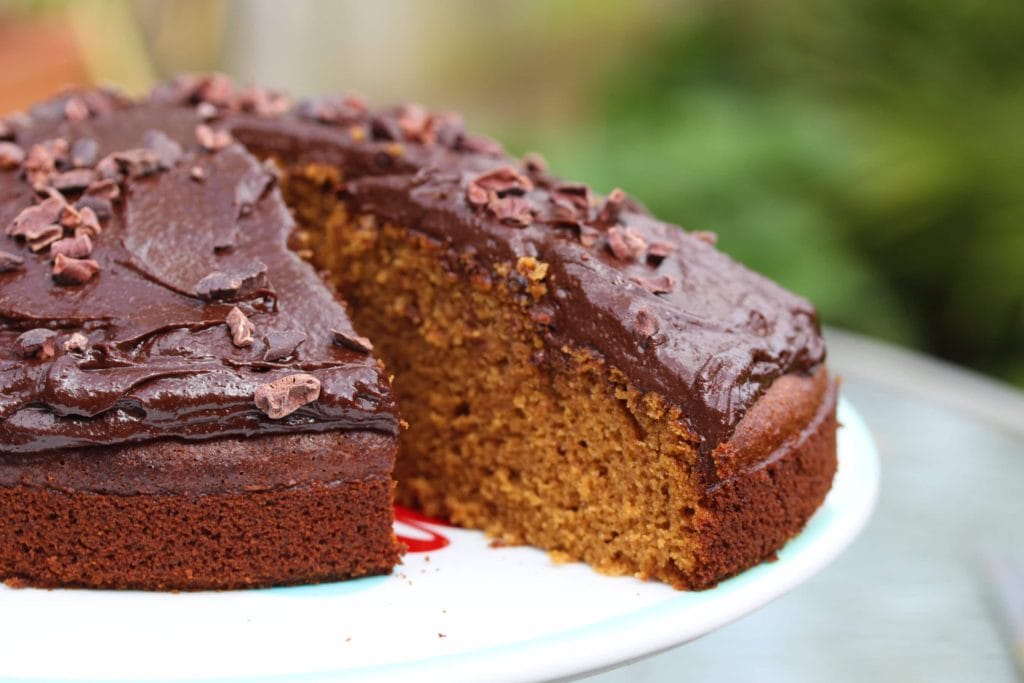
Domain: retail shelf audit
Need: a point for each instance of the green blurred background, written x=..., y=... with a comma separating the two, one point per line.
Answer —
x=868, y=154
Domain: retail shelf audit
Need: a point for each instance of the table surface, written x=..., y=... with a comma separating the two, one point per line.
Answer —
x=908, y=601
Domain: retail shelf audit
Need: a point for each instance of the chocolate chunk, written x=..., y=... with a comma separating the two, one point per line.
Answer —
x=167, y=150
x=251, y=186
x=38, y=343
x=661, y=284
x=73, y=271
x=352, y=342
x=35, y=217
x=284, y=396
x=233, y=284
x=240, y=327
x=84, y=152
x=645, y=324
x=74, y=180
x=281, y=345
x=76, y=343
x=75, y=109
x=11, y=155
x=212, y=140
x=79, y=246
x=627, y=244
x=100, y=207
x=9, y=262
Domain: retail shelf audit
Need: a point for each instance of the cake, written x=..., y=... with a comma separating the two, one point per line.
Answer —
x=214, y=303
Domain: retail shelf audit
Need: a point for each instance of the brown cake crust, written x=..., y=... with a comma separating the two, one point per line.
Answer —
x=279, y=510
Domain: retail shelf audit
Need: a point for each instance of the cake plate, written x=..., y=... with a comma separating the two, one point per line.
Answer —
x=456, y=610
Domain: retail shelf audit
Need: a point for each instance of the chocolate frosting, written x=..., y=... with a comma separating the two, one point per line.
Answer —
x=659, y=304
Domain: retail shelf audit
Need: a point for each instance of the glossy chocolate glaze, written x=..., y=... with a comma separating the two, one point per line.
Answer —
x=660, y=304
x=160, y=360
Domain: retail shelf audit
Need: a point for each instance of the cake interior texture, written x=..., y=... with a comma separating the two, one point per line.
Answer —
x=541, y=446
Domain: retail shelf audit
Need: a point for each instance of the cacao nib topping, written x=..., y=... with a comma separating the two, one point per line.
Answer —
x=240, y=327
x=657, y=251
x=38, y=343
x=168, y=151
x=284, y=396
x=571, y=203
x=88, y=223
x=613, y=207
x=263, y=102
x=106, y=189
x=352, y=342
x=250, y=188
x=515, y=211
x=74, y=180
x=478, y=144
x=446, y=128
x=76, y=343
x=40, y=239
x=706, y=236
x=100, y=209
x=75, y=109
x=11, y=155
x=645, y=324
x=79, y=246
x=42, y=160
x=34, y=218
x=73, y=271
x=661, y=284
x=9, y=262
x=85, y=152
x=535, y=164
x=282, y=345
x=134, y=163
x=233, y=284
x=338, y=109
x=206, y=111
x=212, y=140
x=503, y=180
x=197, y=173
x=589, y=235
x=627, y=244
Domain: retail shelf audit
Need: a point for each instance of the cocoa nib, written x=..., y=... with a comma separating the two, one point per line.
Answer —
x=281, y=345
x=233, y=283
x=706, y=236
x=212, y=140
x=250, y=188
x=101, y=209
x=240, y=327
x=627, y=244
x=570, y=203
x=284, y=396
x=74, y=180
x=352, y=342
x=197, y=173
x=11, y=155
x=79, y=246
x=657, y=251
x=503, y=180
x=88, y=223
x=75, y=109
x=85, y=152
x=9, y=262
x=511, y=210
x=106, y=189
x=73, y=271
x=263, y=102
x=613, y=207
x=35, y=217
x=76, y=343
x=661, y=284
x=37, y=343
x=168, y=151
x=645, y=324
x=43, y=237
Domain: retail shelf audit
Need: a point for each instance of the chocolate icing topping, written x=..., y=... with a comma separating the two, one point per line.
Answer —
x=660, y=304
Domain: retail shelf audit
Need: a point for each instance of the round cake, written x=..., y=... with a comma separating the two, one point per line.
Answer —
x=214, y=302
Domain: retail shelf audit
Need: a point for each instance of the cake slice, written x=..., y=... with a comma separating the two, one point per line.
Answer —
x=182, y=405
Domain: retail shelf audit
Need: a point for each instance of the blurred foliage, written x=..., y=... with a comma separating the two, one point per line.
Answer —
x=868, y=154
